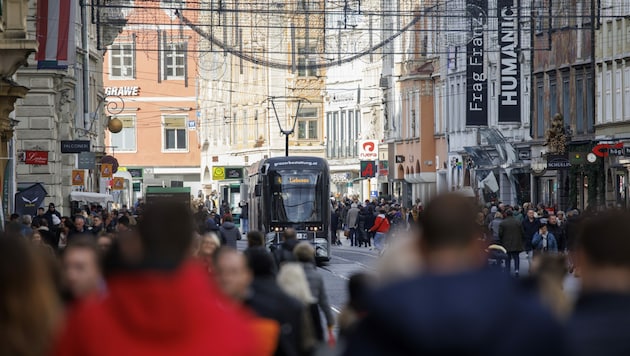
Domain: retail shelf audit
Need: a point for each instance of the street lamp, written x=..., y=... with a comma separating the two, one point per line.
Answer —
x=286, y=132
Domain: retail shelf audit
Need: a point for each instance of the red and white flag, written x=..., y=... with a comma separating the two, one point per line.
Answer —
x=55, y=33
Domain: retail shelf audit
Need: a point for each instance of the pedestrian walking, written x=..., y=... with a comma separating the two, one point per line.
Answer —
x=380, y=229
x=511, y=238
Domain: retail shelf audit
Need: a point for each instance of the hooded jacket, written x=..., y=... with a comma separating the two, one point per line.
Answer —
x=158, y=313
x=230, y=233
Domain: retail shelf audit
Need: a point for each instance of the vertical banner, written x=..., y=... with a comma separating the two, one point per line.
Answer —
x=476, y=79
x=118, y=183
x=106, y=170
x=78, y=177
x=510, y=97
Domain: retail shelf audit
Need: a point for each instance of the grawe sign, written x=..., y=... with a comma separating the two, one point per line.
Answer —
x=36, y=157
x=368, y=150
x=122, y=91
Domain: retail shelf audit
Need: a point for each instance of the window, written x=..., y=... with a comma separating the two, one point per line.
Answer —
x=357, y=128
x=307, y=59
x=590, y=120
x=175, y=133
x=125, y=140
x=307, y=124
x=566, y=99
x=122, y=61
x=540, y=104
x=335, y=134
x=579, y=105
x=175, y=60
x=553, y=96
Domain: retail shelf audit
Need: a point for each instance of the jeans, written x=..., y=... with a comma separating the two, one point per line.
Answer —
x=353, y=236
x=516, y=257
x=245, y=225
x=379, y=241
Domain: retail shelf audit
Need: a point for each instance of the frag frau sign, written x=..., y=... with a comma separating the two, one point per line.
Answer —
x=122, y=91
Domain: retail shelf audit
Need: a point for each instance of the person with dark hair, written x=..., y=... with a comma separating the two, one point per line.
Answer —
x=284, y=252
x=359, y=286
x=599, y=324
x=255, y=238
x=50, y=212
x=268, y=300
x=380, y=229
x=456, y=306
x=229, y=232
x=82, y=269
x=79, y=227
x=544, y=241
x=159, y=302
x=29, y=301
x=511, y=238
x=123, y=225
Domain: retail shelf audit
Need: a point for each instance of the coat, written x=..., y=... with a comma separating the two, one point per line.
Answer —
x=230, y=234
x=470, y=313
x=174, y=312
x=529, y=229
x=352, y=218
x=318, y=290
x=511, y=234
x=267, y=300
x=493, y=227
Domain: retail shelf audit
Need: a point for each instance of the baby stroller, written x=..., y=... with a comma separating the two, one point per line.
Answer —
x=498, y=258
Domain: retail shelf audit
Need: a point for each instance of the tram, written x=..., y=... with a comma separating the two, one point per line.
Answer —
x=291, y=192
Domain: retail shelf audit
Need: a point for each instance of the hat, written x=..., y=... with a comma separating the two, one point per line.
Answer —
x=55, y=219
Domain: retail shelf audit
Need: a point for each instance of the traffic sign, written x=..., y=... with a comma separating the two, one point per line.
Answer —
x=368, y=169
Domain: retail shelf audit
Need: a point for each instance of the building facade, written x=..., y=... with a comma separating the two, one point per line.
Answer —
x=154, y=95
x=485, y=98
x=563, y=105
x=612, y=98
x=65, y=102
x=250, y=111
x=16, y=44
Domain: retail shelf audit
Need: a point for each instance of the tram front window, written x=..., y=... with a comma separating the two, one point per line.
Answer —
x=294, y=197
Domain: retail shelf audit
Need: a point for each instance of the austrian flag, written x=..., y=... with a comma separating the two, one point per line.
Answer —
x=55, y=33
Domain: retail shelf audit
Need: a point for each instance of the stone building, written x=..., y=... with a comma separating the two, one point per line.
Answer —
x=16, y=44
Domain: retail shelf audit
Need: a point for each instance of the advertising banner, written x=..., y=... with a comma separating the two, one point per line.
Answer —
x=510, y=97
x=476, y=79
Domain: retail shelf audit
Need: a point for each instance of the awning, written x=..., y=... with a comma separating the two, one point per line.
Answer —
x=89, y=197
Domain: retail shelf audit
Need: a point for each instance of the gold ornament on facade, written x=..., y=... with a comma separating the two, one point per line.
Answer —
x=556, y=137
x=115, y=125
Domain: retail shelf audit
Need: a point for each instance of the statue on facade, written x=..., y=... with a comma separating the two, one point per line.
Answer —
x=556, y=136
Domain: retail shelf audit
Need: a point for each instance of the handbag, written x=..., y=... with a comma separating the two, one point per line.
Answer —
x=346, y=233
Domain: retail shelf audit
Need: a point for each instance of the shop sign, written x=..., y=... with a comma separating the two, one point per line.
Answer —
x=225, y=173
x=75, y=146
x=368, y=169
x=36, y=157
x=383, y=168
x=368, y=150
x=558, y=162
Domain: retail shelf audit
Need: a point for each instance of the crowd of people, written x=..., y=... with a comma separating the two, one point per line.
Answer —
x=160, y=283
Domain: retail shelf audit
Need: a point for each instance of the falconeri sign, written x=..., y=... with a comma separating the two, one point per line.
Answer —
x=510, y=98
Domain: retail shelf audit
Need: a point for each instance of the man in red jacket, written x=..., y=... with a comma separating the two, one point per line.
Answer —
x=158, y=302
x=380, y=227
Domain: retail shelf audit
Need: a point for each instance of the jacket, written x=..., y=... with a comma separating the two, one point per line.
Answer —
x=267, y=300
x=559, y=234
x=352, y=218
x=552, y=244
x=494, y=228
x=381, y=224
x=230, y=233
x=176, y=312
x=318, y=290
x=511, y=234
x=476, y=313
x=529, y=229
x=599, y=325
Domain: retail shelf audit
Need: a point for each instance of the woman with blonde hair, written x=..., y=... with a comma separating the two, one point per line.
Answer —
x=292, y=280
x=208, y=244
x=29, y=304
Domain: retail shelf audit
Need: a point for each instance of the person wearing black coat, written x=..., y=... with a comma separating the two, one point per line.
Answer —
x=268, y=300
x=334, y=225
